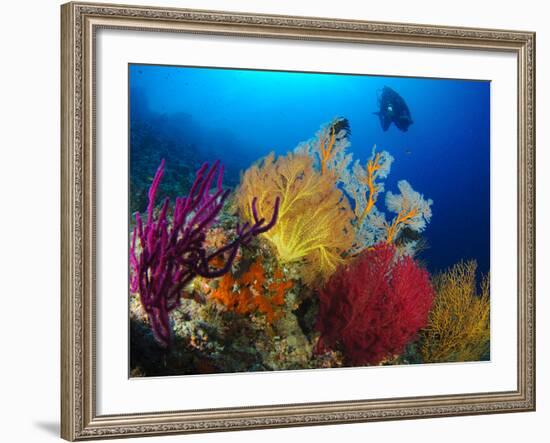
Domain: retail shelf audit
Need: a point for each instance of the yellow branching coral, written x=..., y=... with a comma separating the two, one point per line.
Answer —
x=314, y=221
x=458, y=326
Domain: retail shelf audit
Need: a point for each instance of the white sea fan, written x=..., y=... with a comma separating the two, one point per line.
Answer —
x=339, y=161
x=408, y=249
x=371, y=231
x=385, y=161
x=354, y=181
x=407, y=200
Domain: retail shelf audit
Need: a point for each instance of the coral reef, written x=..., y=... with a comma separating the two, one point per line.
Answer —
x=458, y=327
x=165, y=256
x=373, y=307
x=363, y=185
x=326, y=280
x=210, y=337
x=314, y=222
x=148, y=147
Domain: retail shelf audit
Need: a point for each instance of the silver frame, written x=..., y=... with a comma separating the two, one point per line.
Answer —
x=80, y=22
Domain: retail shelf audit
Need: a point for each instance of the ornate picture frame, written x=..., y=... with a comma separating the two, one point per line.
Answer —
x=80, y=24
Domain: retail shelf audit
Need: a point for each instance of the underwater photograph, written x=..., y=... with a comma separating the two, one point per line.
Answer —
x=299, y=220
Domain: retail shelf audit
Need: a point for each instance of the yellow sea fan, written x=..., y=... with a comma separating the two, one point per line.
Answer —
x=458, y=328
x=314, y=222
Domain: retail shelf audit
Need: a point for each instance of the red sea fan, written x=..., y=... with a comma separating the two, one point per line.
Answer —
x=373, y=307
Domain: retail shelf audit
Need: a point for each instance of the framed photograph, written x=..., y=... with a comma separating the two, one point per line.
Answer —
x=282, y=221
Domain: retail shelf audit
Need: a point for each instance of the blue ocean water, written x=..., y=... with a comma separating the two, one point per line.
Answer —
x=239, y=116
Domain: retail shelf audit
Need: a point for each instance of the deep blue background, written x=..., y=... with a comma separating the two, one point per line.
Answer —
x=239, y=116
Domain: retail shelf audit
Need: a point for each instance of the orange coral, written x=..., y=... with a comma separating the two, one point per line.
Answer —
x=314, y=222
x=252, y=292
x=411, y=208
x=327, y=141
x=369, y=179
x=403, y=218
x=329, y=146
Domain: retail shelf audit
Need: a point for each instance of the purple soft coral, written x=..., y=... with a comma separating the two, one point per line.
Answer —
x=209, y=201
x=171, y=254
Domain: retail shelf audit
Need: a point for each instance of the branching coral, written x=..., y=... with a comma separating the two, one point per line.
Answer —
x=165, y=255
x=458, y=327
x=328, y=147
x=253, y=291
x=363, y=186
x=314, y=222
x=411, y=208
x=363, y=183
x=373, y=307
x=371, y=231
